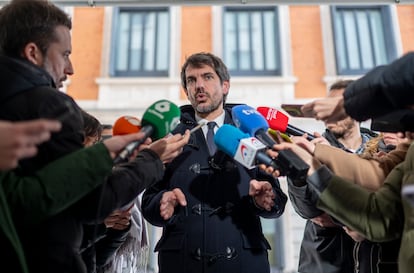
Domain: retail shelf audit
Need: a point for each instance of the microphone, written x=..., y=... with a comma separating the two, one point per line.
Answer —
x=250, y=121
x=126, y=125
x=279, y=121
x=158, y=120
x=246, y=150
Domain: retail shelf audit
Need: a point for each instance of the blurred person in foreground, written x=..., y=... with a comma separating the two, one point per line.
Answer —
x=210, y=213
x=24, y=196
x=17, y=141
x=385, y=214
x=101, y=242
x=368, y=170
x=35, y=48
x=326, y=247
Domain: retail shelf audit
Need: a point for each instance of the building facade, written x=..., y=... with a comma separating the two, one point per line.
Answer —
x=125, y=58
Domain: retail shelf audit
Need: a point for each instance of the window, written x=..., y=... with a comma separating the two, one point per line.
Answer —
x=141, y=42
x=251, y=40
x=363, y=38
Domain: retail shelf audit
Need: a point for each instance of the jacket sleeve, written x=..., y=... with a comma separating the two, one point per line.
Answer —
x=367, y=173
x=121, y=187
x=151, y=204
x=377, y=215
x=58, y=185
x=391, y=85
x=301, y=201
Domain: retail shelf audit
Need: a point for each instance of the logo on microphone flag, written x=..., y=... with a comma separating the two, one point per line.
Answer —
x=247, y=150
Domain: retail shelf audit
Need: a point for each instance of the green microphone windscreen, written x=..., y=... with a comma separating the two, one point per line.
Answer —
x=163, y=116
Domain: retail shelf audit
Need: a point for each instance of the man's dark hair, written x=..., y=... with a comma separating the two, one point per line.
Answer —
x=198, y=59
x=26, y=21
x=341, y=84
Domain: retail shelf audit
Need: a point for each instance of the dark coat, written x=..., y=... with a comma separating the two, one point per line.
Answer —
x=28, y=92
x=323, y=249
x=219, y=230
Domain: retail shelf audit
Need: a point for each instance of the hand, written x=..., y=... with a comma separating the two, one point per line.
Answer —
x=309, y=146
x=303, y=142
x=319, y=139
x=169, y=201
x=324, y=220
x=299, y=151
x=171, y=146
x=356, y=236
x=116, y=143
x=327, y=109
x=404, y=137
x=119, y=219
x=262, y=194
x=141, y=147
x=20, y=139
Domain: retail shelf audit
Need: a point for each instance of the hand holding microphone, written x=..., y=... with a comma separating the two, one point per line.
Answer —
x=115, y=144
x=129, y=125
x=170, y=147
x=167, y=148
x=158, y=120
x=253, y=123
x=249, y=121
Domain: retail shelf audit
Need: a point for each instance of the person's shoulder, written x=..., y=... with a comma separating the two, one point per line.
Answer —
x=45, y=92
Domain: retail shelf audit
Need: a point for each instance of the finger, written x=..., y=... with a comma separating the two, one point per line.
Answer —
x=166, y=214
x=180, y=197
x=254, y=188
x=266, y=186
x=38, y=126
x=27, y=151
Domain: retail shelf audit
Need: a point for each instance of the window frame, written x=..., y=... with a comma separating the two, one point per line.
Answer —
x=388, y=32
x=114, y=45
x=253, y=72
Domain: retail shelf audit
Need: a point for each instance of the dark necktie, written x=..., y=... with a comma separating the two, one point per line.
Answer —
x=210, y=137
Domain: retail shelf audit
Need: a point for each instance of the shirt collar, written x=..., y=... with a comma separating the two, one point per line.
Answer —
x=219, y=121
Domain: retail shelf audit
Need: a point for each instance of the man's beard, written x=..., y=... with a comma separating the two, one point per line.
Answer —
x=342, y=128
x=208, y=108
